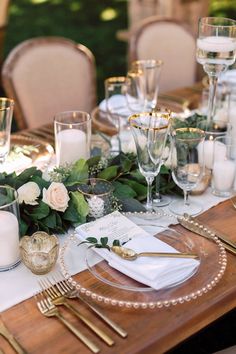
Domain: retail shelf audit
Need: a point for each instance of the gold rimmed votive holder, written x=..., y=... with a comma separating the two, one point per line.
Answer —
x=39, y=252
x=98, y=193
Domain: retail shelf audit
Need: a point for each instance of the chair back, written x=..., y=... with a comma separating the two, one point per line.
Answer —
x=47, y=75
x=170, y=41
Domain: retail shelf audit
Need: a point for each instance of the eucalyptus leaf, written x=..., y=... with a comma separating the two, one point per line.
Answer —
x=108, y=173
x=79, y=203
x=79, y=172
x=123, y=191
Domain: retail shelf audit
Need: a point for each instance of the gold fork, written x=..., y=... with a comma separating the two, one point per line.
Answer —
x=58, y=300
x=11, y=339
x=48, y=309
x=67, y=290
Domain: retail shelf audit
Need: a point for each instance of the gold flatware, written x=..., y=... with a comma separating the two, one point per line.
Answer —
x=48, y=309
x=67, y=290
x=57, y=299
x=131, y=255
x=11, y=339
x=195, y=226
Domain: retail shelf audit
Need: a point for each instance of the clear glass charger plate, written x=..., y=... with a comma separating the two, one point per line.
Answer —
x=106, y=285
x=27, y=152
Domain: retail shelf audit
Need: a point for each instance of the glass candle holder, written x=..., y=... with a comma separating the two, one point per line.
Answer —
x=39, y=252
x=72, y=136
x=9, y=228
x=98, y=194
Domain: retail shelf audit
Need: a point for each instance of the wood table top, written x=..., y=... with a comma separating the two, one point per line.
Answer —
x=149, y=331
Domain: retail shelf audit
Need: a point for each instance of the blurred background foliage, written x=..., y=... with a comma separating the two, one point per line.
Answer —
x=93, y=23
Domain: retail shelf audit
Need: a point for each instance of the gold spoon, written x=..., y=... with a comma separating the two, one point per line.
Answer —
x=131, y=255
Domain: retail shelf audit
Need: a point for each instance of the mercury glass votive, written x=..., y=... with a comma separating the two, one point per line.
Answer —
x=98, y=194
x=39, y=252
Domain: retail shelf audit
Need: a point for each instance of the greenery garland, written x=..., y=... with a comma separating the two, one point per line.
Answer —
x=122, y=171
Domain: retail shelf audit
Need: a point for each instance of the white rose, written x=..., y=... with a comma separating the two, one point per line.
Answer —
x=56, y=196
x=28, y=193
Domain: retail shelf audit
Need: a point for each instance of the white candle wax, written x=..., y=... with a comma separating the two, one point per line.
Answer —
x=223, y=175
x=71, y=145
x=216, y=44
x=220, y=151
x=96, y=206
x=205, y=152
x=9, y=239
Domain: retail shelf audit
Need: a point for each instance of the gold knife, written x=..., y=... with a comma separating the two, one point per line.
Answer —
x=193, y=225
x=11, y=339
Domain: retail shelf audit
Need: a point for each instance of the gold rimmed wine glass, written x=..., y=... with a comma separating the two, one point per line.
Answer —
x=150, y=130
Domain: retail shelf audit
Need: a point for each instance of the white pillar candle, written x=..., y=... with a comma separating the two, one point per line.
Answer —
x=71, y=145
x=9, y=239
x=223, y=175
x=206, y=151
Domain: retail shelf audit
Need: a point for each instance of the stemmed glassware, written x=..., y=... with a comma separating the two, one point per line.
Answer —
x=116, y=103
x=187, y=162
x=216, y=45
x=6, y=112
x=148, y=73
x=150, y=130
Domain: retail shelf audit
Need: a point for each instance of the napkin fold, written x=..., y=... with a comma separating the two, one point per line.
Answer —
x=118, y=104
x=155, y=272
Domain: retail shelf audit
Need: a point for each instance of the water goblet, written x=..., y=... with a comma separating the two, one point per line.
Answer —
x=216, y=45
x=147, y=80
x=116, y=103
x=150, y=130
x=187, y=164
x=6, y=111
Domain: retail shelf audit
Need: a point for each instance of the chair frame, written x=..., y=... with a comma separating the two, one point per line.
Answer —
x=20, y=50
x=136, y=33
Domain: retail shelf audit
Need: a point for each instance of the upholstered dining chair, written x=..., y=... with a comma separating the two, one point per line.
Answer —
x=170, y=41
x=47, y=75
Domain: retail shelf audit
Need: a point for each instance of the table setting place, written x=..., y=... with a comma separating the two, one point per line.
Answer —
x=115, y=222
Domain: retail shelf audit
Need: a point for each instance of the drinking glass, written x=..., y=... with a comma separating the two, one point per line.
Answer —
x=216, y=45
x=148, y=73
x=116, y=103
x=150, y=130
x=9, y=228
x=6, y=111
x=187, y=166
x=72, y=136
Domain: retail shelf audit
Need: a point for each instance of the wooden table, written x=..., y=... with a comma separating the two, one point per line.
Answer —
x=149, y=331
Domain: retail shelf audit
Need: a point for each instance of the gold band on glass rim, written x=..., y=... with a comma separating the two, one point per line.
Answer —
x=204, y=21
x=6, y=103
x=158, y=113
x=116, y=79
x=99, y=180
x=158, y=62
x=190, y=130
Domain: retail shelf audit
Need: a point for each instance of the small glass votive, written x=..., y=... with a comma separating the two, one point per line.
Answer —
x=9, y=228
x=72, y=136
x=98, y=194
x=224, y=166
x=39, y=252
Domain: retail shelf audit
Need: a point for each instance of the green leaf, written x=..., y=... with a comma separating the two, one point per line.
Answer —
x=93, y=161
x=116, y=243
x=139, y=188
x=123, y=191
x=79, y=172
x=40, y=182
x=104, y=241
x=51, y=220
x=80, y=203
x=138, y=176
x=108, y=173
x=39, y=212
x=92, y=239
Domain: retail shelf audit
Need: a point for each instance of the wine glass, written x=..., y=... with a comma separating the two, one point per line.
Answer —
x=116, y=103
x=150, y=130
x=147, y=81
x=6, y=112
x=216, y=45
x=187, y=162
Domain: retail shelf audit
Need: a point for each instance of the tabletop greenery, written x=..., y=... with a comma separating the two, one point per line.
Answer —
x=51, y=202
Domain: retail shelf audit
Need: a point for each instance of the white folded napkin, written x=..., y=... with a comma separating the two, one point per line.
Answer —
x=155, y=272
x=119, y=105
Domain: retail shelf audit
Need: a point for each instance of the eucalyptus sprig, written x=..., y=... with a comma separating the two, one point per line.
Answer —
x=103, y=243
